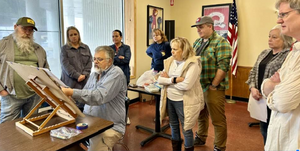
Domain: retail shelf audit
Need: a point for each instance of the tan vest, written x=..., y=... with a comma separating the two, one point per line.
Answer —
x=193, y=101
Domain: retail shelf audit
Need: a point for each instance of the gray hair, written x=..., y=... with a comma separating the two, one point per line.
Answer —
x=294, y=4
x=287, y=40
x=109, y=52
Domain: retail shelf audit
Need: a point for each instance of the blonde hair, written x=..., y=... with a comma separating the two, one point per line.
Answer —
x=184, y=44
x=68, y=39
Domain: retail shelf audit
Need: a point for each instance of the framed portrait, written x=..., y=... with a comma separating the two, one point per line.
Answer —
x=155, y=19
x=220, y=14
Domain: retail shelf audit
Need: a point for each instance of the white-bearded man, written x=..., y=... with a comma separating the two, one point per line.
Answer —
x=17, y=99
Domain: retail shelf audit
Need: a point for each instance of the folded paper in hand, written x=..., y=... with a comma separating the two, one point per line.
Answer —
x=258, y=109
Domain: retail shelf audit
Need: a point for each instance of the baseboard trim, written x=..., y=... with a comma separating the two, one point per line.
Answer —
x=237, y=98
x=227, y=97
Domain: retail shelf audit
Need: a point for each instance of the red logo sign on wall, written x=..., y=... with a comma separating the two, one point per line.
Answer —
x=171, y=2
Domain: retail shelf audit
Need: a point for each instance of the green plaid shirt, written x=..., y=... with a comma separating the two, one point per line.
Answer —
x=216, y=55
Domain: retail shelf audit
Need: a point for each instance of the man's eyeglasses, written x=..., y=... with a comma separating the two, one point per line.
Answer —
x=284, y=15
x=27, y=29
x=99, y=59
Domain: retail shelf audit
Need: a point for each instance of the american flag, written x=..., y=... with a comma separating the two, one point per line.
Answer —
x=232, y=37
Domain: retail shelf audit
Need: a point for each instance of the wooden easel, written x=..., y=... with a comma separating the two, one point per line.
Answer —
x=41, y=124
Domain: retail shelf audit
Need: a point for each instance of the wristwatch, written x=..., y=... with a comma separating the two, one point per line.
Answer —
x=174, y=80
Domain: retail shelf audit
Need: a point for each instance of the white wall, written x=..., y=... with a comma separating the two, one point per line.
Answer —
x=143, y=62
x=256, y=18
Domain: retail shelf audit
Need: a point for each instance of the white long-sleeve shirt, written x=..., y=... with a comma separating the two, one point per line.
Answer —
x=175, y=91
x=284, y=101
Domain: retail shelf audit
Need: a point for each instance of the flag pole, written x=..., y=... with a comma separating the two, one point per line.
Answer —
x=231, y=88
x=232, y=38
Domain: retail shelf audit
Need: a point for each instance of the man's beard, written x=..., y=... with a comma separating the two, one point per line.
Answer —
x=24, y=43
x=97, y=69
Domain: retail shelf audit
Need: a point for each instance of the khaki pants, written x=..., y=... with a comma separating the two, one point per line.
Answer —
x=105, y=141
x=215, y=107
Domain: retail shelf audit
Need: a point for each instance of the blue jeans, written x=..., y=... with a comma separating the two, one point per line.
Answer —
x=12, y=108
x=264, y=126
x=176, y=114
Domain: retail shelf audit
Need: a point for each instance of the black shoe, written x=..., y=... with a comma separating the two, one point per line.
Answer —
x=216, y=149
x=176, y=145
x=85, y=145
x=189, y=149
x=198, y=141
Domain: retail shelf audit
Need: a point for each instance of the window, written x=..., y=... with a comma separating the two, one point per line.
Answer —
x=95, y=20
x=46, y=15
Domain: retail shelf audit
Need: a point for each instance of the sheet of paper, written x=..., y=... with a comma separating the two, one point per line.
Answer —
x=53, y=77
x=44, y=78
x=257, y=109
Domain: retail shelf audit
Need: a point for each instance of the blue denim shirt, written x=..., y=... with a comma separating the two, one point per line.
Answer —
x=105, y=98
x=124, y=50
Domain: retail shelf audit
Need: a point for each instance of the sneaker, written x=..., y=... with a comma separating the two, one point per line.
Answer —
x=198, y=141
x=216, y=149
x=128, y=121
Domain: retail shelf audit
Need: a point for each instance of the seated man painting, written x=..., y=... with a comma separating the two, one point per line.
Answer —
x=104, y=96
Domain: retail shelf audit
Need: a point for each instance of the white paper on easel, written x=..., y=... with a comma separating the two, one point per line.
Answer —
x=258, y=109
x=44, y=78
x=53, y=77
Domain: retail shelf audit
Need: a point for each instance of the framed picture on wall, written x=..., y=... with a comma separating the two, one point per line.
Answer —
x=155, y=19
x=220, y=14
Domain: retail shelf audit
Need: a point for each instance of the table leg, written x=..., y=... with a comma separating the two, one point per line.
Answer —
x=158, y=132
